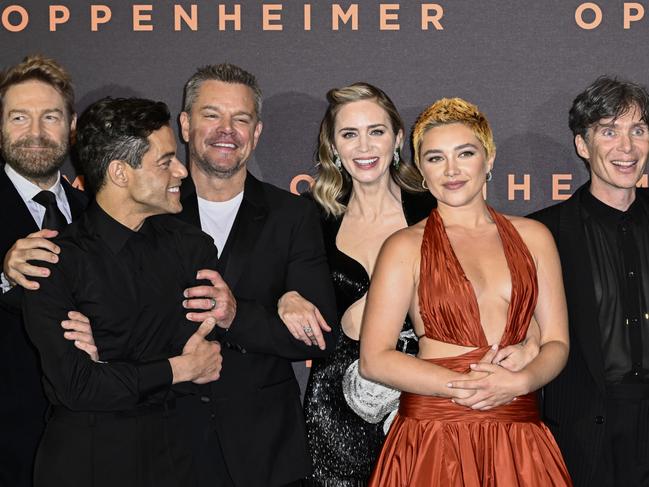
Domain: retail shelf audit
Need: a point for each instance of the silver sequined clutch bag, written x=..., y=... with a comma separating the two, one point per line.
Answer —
x=370, y=400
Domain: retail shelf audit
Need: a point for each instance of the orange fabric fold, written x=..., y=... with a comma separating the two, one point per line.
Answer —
x=435, y=442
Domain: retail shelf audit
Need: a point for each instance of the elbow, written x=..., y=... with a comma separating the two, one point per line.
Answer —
x=367, y=367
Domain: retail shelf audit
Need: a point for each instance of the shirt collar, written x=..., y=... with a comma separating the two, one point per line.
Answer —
x=112, y=232
x=28, y=190
x=607, y=214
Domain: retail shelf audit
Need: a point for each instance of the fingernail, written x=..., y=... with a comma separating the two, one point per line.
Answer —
x=198, y=275
x=45, y=272
x=472, y=366
x=184, y=303
x=494, y=346
x=186, y=293
x=449, y=385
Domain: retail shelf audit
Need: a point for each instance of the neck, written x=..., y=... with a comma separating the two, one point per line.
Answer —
x=371, y=201
x=45, y=182
x=618, y=198
x=212, y=188
x=470, y=216
x=124, y=210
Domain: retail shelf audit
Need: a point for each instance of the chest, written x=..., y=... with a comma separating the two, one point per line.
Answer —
x=482, y=259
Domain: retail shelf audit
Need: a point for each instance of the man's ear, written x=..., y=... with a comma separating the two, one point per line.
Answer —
x=184, y=125
x=258, y=129
x=582, y=147
x=117, y=173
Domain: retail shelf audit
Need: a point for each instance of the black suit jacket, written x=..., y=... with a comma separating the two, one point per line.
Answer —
x=574, y=402
x=254, y=409
x=22, y=409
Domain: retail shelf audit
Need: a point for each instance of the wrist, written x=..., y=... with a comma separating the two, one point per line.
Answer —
x=180, y=369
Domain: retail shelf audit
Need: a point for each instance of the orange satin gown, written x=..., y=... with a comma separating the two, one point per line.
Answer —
x=434, y=442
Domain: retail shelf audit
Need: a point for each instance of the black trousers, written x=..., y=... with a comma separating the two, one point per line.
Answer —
x=143, y=449
x=625, y=452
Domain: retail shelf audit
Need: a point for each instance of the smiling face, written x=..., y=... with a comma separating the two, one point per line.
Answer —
x=616, y=151
x=154, y=187
x=222, y=128
x=365, y=141
x=35, y=129
x=454, y=164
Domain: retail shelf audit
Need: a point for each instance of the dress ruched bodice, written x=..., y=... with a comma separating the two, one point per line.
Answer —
x=447, y=301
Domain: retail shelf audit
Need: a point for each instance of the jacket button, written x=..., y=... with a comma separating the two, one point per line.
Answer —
x=599, y=419
x=205, y=399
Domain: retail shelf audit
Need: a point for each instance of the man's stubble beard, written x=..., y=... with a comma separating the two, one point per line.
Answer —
x=205, y=166
x=37, y=165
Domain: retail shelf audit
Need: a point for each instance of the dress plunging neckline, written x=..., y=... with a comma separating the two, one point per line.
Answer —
x=448, y=303
x=475, y=308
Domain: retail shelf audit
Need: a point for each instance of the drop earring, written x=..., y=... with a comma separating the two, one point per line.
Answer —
x=396, y=159
x=489, y=176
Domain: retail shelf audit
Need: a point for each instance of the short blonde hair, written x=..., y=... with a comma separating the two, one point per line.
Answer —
x=453, y=110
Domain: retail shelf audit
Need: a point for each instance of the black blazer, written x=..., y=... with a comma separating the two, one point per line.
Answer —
x=573, y=404
x=254, y=409
x=23, y=404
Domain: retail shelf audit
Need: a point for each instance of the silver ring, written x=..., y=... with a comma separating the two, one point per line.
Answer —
x=307, y=329
x=213, y=304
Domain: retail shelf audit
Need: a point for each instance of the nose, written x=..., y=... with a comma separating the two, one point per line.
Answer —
x=625, y=142
x=225, y=125
x=452, y=168
x=178, y=169
x=363, y=142
x=35, y=127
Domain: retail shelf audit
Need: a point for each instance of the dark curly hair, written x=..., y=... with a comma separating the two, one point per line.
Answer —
x=606, y=97
x=116, y=129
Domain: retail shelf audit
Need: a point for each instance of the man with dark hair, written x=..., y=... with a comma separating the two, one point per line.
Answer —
x=37, y=118
x=598, y=407
x=125, y=269
x=248, y=426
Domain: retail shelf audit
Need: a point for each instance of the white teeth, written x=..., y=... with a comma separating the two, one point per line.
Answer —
x=365, y=161
x=175, y=189
x=223, y=144
x=623, y=163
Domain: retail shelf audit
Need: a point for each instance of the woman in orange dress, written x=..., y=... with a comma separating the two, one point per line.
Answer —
x=471, y=280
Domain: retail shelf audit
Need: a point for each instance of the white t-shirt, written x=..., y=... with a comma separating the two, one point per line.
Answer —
x=217, y=218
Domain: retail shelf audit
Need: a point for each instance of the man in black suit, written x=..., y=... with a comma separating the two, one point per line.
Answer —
x=598, y=407
x=249, y=426
x=37, y=103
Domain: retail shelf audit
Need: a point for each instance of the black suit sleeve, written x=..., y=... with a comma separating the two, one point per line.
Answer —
x=257, y=328
x=70, y=375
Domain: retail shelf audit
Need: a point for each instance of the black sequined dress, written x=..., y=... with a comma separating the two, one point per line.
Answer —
x=343, y=445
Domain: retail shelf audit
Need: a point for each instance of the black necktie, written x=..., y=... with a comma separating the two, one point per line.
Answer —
x=54, y=219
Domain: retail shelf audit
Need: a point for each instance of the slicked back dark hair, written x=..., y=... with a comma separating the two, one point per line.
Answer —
x=116, y=129
x=226, y=73
x=606, y=97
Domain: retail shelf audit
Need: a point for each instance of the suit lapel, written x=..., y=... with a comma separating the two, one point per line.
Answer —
x=577, y=273
x=18, y=222
x=247, y=226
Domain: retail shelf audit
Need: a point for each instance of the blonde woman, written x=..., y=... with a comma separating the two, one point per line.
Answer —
x=471, y=280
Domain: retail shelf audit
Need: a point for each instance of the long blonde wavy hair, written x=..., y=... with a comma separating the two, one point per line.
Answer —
x=332, y=185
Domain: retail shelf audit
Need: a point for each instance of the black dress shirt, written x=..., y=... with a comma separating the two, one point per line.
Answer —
x=617, y=243
x=129, y=284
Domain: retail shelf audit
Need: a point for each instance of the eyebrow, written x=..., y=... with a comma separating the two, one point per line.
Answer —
x=47, y=110
x=166, y=155
x=457, y=148
x=373, y=126
x=218, y=109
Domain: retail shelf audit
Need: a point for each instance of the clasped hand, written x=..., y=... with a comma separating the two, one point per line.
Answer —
x=497, y=379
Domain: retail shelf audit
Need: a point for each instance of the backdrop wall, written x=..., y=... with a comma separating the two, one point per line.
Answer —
x=522, y=62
